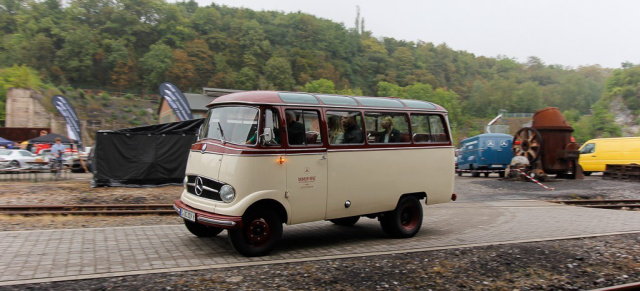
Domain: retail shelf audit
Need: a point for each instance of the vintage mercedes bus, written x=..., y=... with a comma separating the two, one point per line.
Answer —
x=265, y=158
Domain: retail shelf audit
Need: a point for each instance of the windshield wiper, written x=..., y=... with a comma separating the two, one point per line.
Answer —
x=221, y=133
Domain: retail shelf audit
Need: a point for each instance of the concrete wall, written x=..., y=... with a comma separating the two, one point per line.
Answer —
x=25, y=110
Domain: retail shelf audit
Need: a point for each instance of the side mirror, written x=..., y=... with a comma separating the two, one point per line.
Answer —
x=267, y=133
x=199, y=134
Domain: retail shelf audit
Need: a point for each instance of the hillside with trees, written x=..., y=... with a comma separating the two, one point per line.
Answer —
x=131, y=46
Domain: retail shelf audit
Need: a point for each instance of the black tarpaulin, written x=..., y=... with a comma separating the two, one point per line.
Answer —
x=143, y=156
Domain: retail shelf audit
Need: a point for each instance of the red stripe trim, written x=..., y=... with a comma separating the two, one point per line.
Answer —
x=214, y=147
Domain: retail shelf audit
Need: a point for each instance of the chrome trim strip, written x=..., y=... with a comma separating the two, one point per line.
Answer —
x=209, y=189
x=192, y=174
x=215, y=221
x=384, y=149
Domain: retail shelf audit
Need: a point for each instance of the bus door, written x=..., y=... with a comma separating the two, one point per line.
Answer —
x=306, y=161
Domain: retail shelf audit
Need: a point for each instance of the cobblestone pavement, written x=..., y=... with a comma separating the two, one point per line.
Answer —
x=55, y=255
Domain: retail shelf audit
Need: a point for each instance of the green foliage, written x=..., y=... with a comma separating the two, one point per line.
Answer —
x=279, y=74
x=16, y=77
x=386, y=89
x=320, y=86
x=129, y=45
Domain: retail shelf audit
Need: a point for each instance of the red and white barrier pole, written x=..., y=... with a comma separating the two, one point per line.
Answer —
x=534, y=180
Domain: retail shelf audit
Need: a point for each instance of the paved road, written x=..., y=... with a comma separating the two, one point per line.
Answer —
x=54, y=255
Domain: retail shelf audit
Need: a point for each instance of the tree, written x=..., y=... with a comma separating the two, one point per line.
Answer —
x=246, y=79
x=320, y=86
x=386, y=89
x=155, y=64
x=75, y=59
x=279, y=74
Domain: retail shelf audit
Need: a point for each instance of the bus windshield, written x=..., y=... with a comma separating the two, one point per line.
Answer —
x=233, y=124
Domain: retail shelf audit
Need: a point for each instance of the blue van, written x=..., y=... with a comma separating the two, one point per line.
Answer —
x=485, y=153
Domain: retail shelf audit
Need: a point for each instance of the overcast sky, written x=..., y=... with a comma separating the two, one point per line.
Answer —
x=565, y=32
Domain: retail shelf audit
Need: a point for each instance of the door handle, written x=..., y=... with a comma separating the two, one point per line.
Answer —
x=324, y=157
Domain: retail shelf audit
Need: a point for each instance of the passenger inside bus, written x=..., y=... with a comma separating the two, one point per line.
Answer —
x=352, y=132
x=295, y=130
x=336, y=132
x=388, y=133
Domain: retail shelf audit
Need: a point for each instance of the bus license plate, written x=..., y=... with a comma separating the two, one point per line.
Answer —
x=188, y=215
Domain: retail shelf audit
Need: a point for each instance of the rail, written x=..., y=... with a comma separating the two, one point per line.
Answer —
x=103, y=209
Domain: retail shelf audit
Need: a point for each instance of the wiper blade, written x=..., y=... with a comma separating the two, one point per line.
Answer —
x=224, y=140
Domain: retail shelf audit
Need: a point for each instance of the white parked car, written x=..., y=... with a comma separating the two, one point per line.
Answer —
x=47, y=156
x=16, y=158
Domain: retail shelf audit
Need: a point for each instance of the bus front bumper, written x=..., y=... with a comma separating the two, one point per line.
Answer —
x=207, y=218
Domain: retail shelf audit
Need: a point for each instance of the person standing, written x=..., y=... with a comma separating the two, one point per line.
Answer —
x=57, y=150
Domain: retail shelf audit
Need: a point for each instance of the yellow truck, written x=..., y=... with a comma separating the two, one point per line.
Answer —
x=595, y=154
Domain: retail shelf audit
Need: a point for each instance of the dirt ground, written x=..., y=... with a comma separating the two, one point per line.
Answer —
x=577, y=264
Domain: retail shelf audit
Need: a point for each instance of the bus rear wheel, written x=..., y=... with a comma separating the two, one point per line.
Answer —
x=346, y=221
x=201, y=230
x=261, y=231
x=404, y=221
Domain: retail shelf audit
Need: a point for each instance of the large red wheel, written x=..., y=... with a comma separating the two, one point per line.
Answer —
x=404, y=221
x=527, y=142
x=260, y=233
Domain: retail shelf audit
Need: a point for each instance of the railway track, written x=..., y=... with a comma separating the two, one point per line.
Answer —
x=103, y=209
x=607, y=204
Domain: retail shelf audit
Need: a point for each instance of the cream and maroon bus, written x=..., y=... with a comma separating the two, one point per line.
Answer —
x=265, y=158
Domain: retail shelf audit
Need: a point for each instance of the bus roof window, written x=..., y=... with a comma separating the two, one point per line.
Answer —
x=337, y=100
x=419, y=104
x=299, y=98
x=379, y=102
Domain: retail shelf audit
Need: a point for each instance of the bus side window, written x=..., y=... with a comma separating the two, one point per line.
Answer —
x=420, y=128
x=438, y=133
x=303, y=127
x=428, y=128
x=384, y=127
x=345, y=127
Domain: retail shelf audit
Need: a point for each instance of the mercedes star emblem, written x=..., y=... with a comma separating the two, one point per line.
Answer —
x=199, y=186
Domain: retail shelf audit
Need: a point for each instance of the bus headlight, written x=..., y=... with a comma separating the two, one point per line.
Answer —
x=184, y=182
x=227, y=193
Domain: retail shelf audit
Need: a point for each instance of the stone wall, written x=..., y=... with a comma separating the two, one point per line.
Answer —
x=25, y=110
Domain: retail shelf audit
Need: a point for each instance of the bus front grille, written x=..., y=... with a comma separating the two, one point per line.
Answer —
x=204, y=187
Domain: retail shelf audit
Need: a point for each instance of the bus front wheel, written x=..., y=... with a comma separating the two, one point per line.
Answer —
x=200, y=230
x=260, y=232
x=404, y=221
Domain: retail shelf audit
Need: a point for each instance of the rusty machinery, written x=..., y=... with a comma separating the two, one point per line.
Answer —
x=548, y=147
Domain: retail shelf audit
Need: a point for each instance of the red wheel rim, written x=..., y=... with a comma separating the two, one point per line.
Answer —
x=409, y=217
x=258, y=232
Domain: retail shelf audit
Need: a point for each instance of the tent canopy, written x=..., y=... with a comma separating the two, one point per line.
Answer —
x=5, y=142
x=50, y=138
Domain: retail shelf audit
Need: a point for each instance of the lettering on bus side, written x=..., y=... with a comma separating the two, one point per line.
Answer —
x=306, y=182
